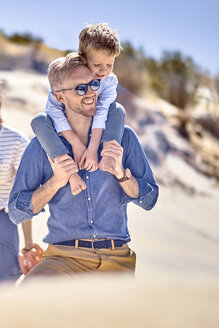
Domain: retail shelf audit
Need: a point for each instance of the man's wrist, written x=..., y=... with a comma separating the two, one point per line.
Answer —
x=125, y=176
x=54, y=184
x=120, y=173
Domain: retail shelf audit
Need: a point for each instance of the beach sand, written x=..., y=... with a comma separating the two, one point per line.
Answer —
x=177, y=246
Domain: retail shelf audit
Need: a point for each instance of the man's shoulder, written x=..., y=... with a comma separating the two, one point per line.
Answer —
x=34, y=145
x=130, y=139
x=129, y=133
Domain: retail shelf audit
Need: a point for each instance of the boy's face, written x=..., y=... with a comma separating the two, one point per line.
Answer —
x=100, y=63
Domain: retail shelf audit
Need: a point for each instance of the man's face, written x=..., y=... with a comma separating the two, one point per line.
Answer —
x=84, y=105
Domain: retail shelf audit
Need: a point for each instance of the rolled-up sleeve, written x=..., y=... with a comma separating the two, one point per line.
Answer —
x=106, y=97
x=28, y=178
x=135, y=159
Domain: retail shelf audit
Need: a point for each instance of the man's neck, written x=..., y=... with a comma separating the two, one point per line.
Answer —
x=80, y=124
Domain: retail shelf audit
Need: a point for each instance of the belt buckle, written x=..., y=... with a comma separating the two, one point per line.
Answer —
x=95, y=248
x=92, y=244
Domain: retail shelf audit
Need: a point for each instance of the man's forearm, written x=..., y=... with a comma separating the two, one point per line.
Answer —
x=130, y=187
x=44, y=194
x=62, y=168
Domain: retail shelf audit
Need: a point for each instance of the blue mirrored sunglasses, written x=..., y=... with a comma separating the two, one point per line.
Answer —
x=82, y=88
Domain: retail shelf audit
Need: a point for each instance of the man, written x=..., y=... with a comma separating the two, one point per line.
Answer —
x=12, y=145
x=87, y=232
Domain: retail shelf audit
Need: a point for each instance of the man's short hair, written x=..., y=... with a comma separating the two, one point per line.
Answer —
x=99, y=37
x=60, y=69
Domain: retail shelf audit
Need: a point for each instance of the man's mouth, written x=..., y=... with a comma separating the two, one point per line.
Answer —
x=89, y=101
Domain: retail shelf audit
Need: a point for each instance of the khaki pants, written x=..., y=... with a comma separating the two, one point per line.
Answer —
x=69, y=260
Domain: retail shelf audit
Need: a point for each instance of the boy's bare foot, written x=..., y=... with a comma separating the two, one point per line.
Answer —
x=77, y=184
x=107, y=164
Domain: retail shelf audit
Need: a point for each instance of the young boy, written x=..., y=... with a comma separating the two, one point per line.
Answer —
x=12, y=145
x=99, y=45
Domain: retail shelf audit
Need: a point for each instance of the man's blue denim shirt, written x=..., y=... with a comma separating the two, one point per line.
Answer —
x=100, y=211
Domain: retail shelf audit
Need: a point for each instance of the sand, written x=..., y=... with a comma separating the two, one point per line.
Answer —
x=177, y=246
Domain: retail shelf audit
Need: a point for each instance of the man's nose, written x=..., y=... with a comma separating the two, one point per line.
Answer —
x=90, y=91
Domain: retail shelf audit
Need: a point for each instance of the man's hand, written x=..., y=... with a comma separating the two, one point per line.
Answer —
x=114, y=150
x=63, y=167
x=29, y=258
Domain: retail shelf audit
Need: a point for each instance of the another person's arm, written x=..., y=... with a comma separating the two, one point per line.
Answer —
x=31, y=254
x=27, y=232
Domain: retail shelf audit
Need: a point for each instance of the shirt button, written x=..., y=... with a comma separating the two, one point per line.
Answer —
x=89, y=198
x=140, y=201
x=94, y=236
x=91, y=221
x=87, y=177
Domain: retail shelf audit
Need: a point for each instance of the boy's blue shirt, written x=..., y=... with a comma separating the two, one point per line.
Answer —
x=100, y=211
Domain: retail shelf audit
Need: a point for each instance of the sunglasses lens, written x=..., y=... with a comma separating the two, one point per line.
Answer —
x=81, y=89
x=95, y=84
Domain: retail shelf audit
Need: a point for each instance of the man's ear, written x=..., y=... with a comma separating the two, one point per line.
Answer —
x=59, y=97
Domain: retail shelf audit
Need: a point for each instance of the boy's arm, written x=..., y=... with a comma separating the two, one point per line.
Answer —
x=78, y=148
x=106, y=97
x=96, y=136
x=89, y=159
x=56, y=111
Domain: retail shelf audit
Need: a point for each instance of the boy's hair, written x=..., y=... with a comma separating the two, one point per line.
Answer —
x=61, y=68
x=99, y=37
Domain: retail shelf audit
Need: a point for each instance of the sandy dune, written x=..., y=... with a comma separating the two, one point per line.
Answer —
x=177, y=246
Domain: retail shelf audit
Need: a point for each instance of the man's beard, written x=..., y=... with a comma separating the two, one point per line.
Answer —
x=77, y=109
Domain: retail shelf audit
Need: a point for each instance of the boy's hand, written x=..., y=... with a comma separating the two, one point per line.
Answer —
x=89, y=160
x=78, y=150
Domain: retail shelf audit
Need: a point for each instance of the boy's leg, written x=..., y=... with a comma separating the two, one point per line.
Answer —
x=114, y=131
x=42, y=126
